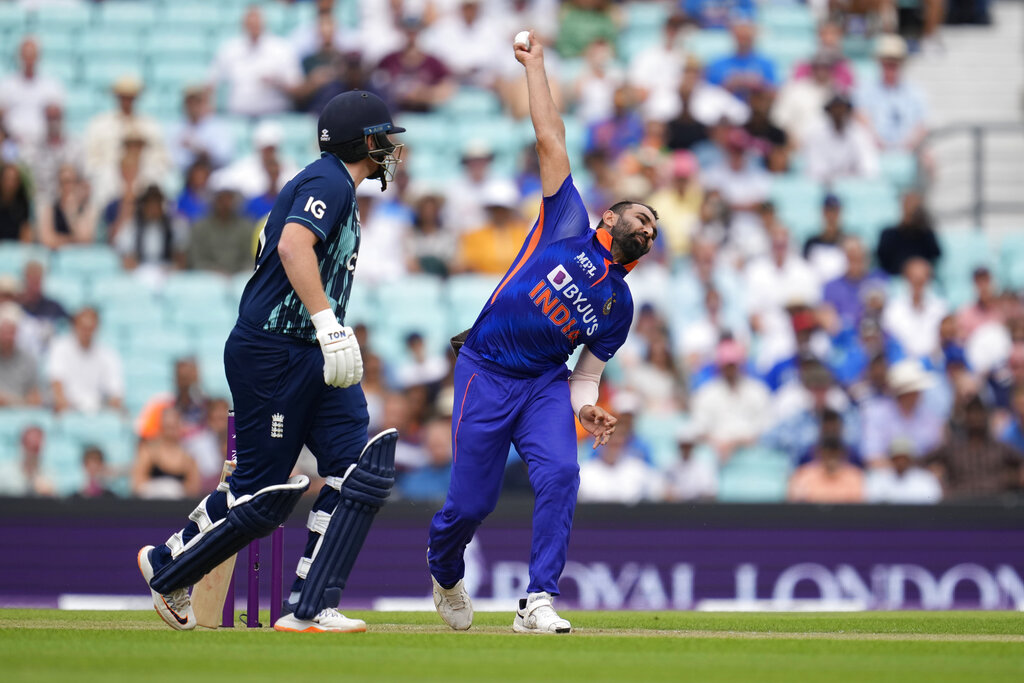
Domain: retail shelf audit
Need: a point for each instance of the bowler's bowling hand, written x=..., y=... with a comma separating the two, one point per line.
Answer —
x=598, y=422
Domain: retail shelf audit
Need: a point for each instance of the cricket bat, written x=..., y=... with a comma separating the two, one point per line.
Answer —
x=209, y=593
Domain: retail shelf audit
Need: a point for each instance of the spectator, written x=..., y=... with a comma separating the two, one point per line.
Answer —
x=700, y=334
x=199, y=133
x=744, y=186
x=830, y=44
x=581, y=23
x=19, y=374
x=422, y=366
x=206, y=442
x=110, y=133
x=463, y=205
x=329, y=70
x=430, y=244
x=734, y=409
x=717, y=13
x=679, y=203
x=594, y=88
x=222, y=241
x=1013, y=432
x=839, y=146
x=825, y=251
x=902, y=483
x=622, y=130
x=84, y=375
x=480, y=39
x=15, y=206
x=194, y=200
x=912, y=237
x=117, y=191
x=411, y=78
x=894, y=109
x=656, y=379
x=309, y=38
x=912, y=317
x=24, y=96
x=97, y=475
x=830, y=478
x=491, y=248
x=28, y=475
x=70, y=216
x=618, y=475
x=800, y=107
x=43, y=310
x=656, y=71
x=780, y=279
x=154, y=239
x=800, y=401
x=769, y=142
x=691, y=477
x=745, y=69
x=985, y=309
x=260, y=175
x=163, y=469
x=260, y=70
x=973, y=465
x=429, y=482
x=383, y=225
x=47, y=157
x=904, y=415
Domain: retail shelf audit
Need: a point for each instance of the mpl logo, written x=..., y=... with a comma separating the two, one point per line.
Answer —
x=584, y=262
x=559, y=277
x=315, y=207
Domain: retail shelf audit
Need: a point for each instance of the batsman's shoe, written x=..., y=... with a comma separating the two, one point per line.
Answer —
x=329, y=620
x=176, y=607
x=453, y=604
x=536, y=615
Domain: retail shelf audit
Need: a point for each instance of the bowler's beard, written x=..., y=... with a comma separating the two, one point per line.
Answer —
x=626, y=242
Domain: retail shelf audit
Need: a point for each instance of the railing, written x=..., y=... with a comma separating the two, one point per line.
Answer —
x=979, y=205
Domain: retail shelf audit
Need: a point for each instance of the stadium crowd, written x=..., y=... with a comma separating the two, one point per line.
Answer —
x=776, y=354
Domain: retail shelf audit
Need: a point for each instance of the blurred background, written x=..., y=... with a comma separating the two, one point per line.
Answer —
x=831, y=315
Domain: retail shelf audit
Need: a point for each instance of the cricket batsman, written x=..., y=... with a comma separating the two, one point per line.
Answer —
x=294, y=372
x=566, y=288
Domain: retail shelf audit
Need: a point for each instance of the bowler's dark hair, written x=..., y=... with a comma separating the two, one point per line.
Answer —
x=620, y=207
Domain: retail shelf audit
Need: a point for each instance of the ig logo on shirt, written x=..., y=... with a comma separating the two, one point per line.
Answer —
x=559, y=277
x=315, y=207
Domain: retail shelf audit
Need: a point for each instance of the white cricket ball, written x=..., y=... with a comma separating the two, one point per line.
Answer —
x=522, y=38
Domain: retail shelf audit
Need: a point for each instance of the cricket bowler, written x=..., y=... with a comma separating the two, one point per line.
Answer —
x=294, y=372
x=566, y=288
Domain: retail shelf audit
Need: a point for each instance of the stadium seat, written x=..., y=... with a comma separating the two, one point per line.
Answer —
x=963, y=250
x=110, y=43
x=14, y=420
x=144, y=380
x=105, y=429
x=63, y=15
x=57, y=42
x=196, y=287
x=86, y=261
x=185, y=17
x=754, y=475
x=646, y=16
x=465, y=296
x=659, y=431
x=787, y=20
x=129, y=317
x=469, y=103
x=62, y=458
x=176, y=43
x=709, y=45
x=13, y=17
x=14, y=256
x=211, y=375
x=127, y=16
x=101, y=73
x=899, y=168
x=70, y=292
x=178, y=73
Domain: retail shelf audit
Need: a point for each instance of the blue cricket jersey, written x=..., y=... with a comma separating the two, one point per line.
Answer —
x=562, y=290
x=322, y=198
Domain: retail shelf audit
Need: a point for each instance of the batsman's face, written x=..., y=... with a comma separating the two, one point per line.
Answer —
x=634, y=232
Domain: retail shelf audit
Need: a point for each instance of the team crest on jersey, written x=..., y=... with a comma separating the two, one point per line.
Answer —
x=325, y=136
x=608, y=305
x=559, y=277
x=277, y=426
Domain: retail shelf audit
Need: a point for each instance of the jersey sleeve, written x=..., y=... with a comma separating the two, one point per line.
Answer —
x=605, y=346
x=318, y=205
x=562, y=214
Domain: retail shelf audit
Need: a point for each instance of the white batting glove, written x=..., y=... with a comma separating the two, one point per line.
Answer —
x=343, y=364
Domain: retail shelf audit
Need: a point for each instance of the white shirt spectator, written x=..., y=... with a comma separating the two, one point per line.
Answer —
x=628, y=480
x=88, y=376
x=914, y=486
x=23, y=100
x=692, y=479
x=257, y=73
x=749, y=185
x=709, y=104
x=896, y=112
x=208, y=134
x=800, y=107
x=383, y=235
x=772, y=287
x=104, y=145
x=481, y=45
x=916, y=328
x=832, y=154
x=725, y=413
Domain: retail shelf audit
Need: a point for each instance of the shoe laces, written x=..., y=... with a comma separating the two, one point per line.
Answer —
x=178, y=600
x=329, y=613
x=456, y=600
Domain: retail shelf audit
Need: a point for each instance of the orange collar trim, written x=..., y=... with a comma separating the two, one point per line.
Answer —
x=605, y=238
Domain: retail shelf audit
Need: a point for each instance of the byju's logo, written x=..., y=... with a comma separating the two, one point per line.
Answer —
x=559, y=277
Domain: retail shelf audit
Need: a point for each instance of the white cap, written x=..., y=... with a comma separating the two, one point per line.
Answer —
x=908, y=376
x=10, y=312
x=499, y=192
x=267, y=134
x=626, y=402
x=890, y=46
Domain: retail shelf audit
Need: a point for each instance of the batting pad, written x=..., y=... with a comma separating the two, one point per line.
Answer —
x=249, y=517
x=362, y=491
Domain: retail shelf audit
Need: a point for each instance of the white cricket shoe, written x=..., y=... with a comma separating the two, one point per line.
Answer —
x=329, y=620
x=175, y=608
x=453, y=605
x=536, y=615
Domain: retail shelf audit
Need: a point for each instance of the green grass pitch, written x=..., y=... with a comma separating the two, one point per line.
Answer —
x=908, y=647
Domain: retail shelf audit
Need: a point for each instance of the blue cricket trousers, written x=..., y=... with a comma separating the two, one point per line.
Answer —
x=493, y=411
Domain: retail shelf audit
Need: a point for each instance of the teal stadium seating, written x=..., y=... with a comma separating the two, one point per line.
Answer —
x=754, y=475
x=14, y=256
